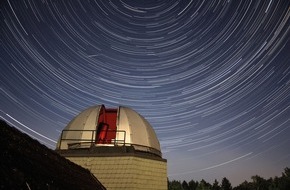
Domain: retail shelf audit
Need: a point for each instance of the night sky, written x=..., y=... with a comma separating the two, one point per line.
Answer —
x=211, y=77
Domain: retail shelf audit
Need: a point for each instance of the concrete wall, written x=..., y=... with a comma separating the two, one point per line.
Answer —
x=126, y=172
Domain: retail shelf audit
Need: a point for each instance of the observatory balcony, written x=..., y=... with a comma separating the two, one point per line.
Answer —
x=84, y=139
x=74, y=139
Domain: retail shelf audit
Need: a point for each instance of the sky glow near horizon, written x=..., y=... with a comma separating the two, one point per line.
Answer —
x=211, y=77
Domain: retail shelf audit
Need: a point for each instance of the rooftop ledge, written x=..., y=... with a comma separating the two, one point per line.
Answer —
x=108, y=151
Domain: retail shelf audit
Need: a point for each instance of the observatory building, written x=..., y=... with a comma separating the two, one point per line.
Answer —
x=118, y=146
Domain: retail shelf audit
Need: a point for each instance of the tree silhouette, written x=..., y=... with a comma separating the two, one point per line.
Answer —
x=244, y=186
x=215, y=185
x=192, y=184
x=284, y=180
x=174, y=185
x=258, y=183
x=203, y=185
x=226, y=185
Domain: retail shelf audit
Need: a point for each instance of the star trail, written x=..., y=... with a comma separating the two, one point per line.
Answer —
x=211, y=77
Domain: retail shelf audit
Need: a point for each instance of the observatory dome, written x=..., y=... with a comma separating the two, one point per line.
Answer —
x=100, y=126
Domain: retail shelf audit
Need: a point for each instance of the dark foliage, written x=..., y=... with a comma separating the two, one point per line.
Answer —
x=226, y=184
x=27, y=164
x=258, y=183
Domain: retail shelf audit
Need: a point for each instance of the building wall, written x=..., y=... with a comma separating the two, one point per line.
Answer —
x=126, y=172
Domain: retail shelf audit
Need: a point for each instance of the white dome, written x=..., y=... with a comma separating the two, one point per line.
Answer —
x=100, y=126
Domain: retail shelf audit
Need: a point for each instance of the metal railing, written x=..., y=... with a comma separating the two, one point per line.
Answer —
x=87, y=138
